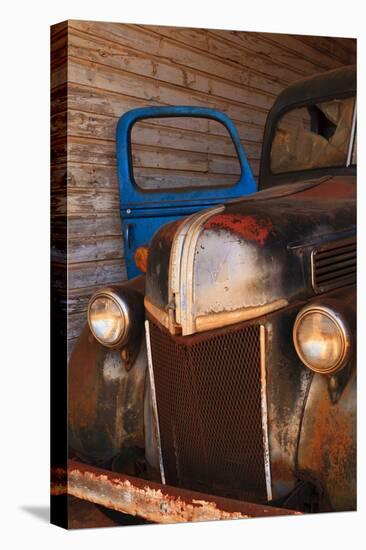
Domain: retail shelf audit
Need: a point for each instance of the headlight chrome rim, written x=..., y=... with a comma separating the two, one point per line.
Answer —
x=111, y=295
x=334, y=316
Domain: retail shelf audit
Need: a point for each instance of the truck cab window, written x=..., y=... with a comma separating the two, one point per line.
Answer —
x=313, y=136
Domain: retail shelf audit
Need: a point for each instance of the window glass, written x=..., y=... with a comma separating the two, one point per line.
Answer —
x=314, y=136
x=183, y=152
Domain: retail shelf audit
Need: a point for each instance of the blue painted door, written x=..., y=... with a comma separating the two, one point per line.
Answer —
x=143, y=212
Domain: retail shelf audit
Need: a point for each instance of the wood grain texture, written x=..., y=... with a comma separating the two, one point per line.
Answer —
x=100, y=71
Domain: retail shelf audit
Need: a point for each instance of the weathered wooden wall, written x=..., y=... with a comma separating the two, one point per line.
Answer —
x=101, y=70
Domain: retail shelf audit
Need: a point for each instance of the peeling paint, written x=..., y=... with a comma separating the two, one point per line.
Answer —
x=249, y=227
x=231, y=275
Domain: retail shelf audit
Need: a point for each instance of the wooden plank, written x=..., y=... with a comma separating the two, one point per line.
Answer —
x=252, y=57
x=82, y=226
x=85, y=201
x=59, y=98
x=58, y=28
x=98, y=100
x=59, y=127
x=58, y=151
x=79, y=176
x=96, y=273
x=349, y=44
x=200, y=74
x=172, y=138
x=151, y=91
x=330, y=46
x=59, y=178
x=103, y=153
x=59, y=49
x=276, y=53
x=88, y=202
x=94, y=248
x=148, y=40
x=181, y=181
x=173, y=133
x=98, y=103
x=58, y=253
x=59, y=39
x=303, y=51
x=91, y=151
x=77, y=300
x=155, y=178
x=87, y=176
x=85, y=274
x=59, y=75
x=171, y=159
x=269, y=58
x=108, y=78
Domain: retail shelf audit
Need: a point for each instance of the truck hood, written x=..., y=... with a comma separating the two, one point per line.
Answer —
x=247, y=258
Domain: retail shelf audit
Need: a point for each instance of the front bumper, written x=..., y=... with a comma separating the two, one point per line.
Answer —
x=151, y=500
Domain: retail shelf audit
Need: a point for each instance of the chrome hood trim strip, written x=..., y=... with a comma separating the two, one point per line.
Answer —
x=264, y=407
x=181, y=268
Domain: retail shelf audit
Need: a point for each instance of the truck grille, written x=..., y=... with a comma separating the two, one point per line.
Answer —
x=208, y=391
x=334, y=265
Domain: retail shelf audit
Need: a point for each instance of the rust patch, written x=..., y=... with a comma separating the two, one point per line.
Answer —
x=153, y=501
x=331, y=441
x=327, y=444
x=248, y=227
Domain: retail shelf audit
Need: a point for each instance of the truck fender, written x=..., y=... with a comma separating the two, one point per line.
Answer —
x=327, y=444
x=105, y=400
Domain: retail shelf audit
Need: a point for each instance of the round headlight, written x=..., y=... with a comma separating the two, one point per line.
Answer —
x=321, y=339
x=107, y=317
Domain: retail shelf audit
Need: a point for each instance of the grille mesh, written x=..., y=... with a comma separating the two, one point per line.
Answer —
x=334, y=265
x=209, y=405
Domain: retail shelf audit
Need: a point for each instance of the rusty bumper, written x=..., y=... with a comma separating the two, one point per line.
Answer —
x=150, y=500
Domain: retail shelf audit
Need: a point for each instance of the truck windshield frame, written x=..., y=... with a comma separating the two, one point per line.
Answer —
x=316, y=135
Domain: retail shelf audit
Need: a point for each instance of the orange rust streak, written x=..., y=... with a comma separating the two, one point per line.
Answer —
x=248, y=227
x=327, y=442
x=331, y=439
